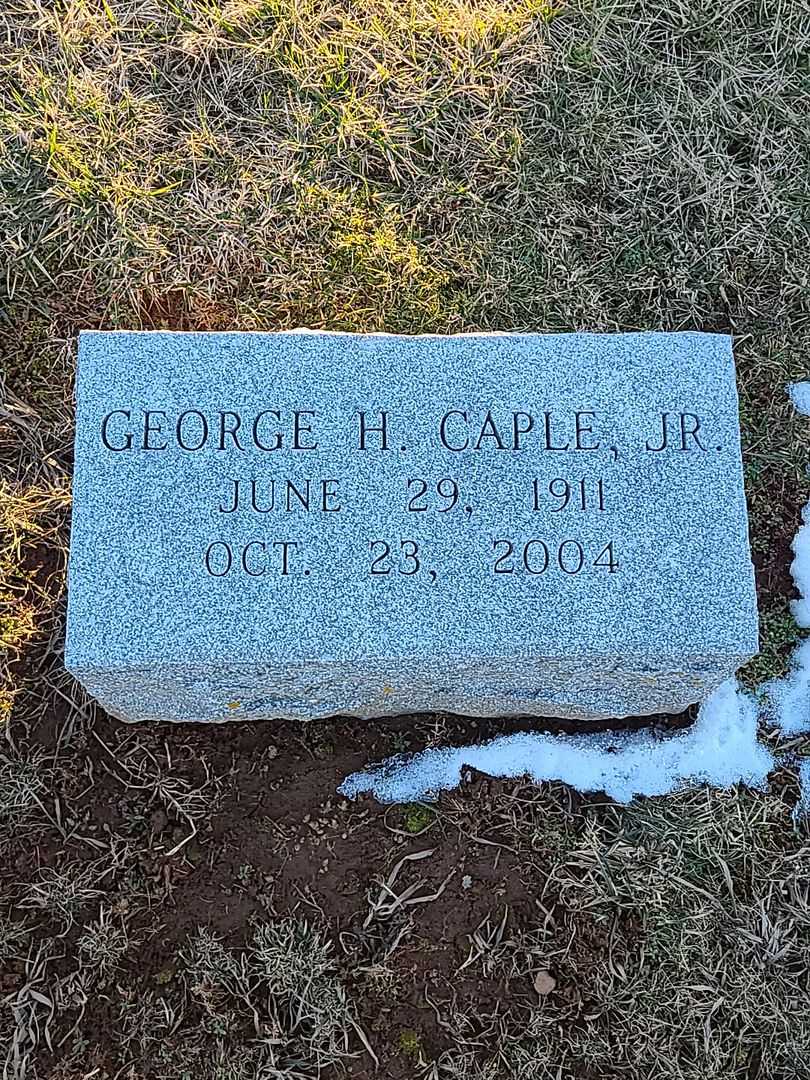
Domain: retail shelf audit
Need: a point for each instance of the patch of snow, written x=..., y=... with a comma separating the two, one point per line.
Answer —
x=789, y=698
x=802, y=808
x=800, y=396
x=721, y=748
x=800, y=569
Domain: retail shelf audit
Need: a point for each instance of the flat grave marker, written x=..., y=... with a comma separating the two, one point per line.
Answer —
x=304, y=524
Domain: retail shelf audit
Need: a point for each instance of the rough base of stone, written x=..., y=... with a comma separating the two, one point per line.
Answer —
x=541, y=687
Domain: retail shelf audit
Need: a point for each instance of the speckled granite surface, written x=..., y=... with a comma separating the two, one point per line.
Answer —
x=554, y=525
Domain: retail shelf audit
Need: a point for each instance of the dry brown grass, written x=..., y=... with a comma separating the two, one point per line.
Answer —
x=678, y=935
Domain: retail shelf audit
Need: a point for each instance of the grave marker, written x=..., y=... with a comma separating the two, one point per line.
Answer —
x=304, y=524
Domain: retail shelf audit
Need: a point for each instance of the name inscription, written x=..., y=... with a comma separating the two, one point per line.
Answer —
x=454, y=433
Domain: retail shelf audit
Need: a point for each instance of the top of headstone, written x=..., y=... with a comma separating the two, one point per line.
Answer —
x=615, y=458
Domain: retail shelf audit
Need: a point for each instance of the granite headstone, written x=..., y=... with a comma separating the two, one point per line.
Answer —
x=304, y=524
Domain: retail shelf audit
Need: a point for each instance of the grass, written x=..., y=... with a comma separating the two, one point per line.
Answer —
x=24, y=782
x=779, y=635
x=103, y=945
x=417, y=818
x=439, y=166
x=283, y=989
x=679, y=940
x=62, y=893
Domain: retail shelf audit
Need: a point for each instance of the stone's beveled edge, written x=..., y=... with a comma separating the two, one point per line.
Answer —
x=78, y=664
x=142, y=709
x=751, y=649
x=75, y=633
x=561, y=688
x=506, y=712
x=462, y=335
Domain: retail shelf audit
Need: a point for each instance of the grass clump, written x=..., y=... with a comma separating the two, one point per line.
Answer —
x=12, y=936
x=62, y=893
x=102, y=946
x=409, y=1044
x=778, y=637
x=277, y=1007
x=417, y=818
x=31, y=523
x=24, y=782
x=285, y=983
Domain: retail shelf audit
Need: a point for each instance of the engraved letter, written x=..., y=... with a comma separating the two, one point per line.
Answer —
x=127, y=437
x=232, y=431
x=489, y=431
x=263, y=548
x=299, y=428
x=149, y=429
x=692, y=430
x=203, y=429
x=518, y=430
x=293, y=490
x=443, y=430
x=664, y=435
x=584, y=429
x=381, y=430
x=285, y=562
x=228, y=555
x=254, y=502
x=257, y=440
x=329, y=491
x=549, y=443
x=230, y=509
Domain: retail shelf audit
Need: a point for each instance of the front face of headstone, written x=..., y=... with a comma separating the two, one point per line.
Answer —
x=306, y=524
